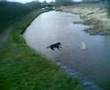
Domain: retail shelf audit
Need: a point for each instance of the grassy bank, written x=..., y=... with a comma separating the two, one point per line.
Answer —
x=11, y=12
x=23, y=69
x=95, y=16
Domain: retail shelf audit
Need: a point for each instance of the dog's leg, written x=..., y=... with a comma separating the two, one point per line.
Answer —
x=52, y=48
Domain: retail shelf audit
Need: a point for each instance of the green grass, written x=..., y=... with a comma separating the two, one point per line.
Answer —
x=11, y=12
x=23, y=69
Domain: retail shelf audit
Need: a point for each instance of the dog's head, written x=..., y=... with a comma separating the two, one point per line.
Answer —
x=59, y=43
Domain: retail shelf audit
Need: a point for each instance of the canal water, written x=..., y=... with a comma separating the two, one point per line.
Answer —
x=87, y=54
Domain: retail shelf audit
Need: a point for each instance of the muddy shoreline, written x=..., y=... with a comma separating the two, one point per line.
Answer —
x=96, y=17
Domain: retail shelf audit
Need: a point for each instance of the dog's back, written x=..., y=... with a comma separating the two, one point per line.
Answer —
x=55, y=45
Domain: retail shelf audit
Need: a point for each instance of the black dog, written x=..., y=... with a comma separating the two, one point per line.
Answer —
x=56, y=45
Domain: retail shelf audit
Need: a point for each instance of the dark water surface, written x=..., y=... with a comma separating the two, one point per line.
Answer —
x=90, y=55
